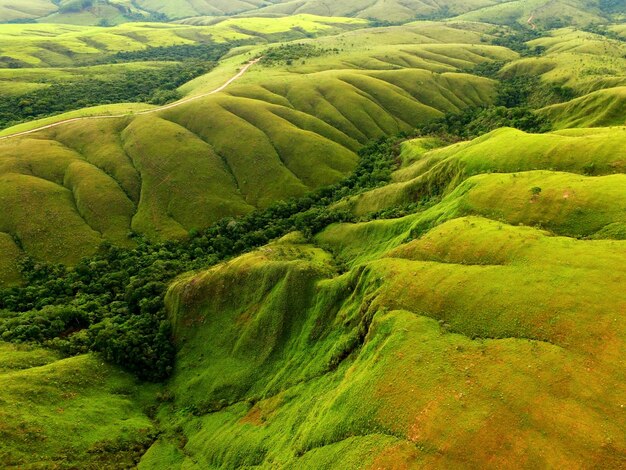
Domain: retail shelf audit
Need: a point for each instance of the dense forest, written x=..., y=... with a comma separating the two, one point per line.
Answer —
x=113, y=302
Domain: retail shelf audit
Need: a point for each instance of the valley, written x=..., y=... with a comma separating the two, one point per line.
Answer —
x=294, y=234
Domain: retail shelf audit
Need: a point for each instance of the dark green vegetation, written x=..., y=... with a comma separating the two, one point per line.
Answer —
x=112, y=303
x=287, y=54
x=156, y=83
x=155, y=86
x=310, y=292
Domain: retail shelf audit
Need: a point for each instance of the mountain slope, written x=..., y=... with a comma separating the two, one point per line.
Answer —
x=380, y=368
x=76, y=412
x=545, y=13
x=96, y=180
x=601, y=108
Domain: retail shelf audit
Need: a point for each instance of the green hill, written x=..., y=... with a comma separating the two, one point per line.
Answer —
x=583, y=151
x=69, y=413
x=97, y=180
x=418, y=341
x=317, y=264
x=601, y=108
x=546, y=14
x=406, y=359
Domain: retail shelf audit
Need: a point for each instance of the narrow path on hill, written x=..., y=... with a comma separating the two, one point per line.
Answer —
x=243, y=70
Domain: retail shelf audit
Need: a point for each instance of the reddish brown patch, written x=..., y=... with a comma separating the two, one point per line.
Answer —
x=415, y=432
x=398, y=457
x=254, y=417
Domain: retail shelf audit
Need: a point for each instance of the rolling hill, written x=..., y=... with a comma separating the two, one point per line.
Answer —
x=418, y=341
x=99, y=180
x=546, y=13
x=45, y=397
x=303, y=260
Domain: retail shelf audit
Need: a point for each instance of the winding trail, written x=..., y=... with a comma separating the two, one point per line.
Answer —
x=243, y=70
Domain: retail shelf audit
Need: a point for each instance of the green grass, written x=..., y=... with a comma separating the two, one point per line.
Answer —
x=9, y=269
x=30, y=9
x=546, y=14
x=101, y=179
x=580, y=151
x=394, y=11
x=584, y=62
x=482, y=329
x=424, y=337
x=69, y=413
x=601, y=108
x=56, y=45
x=441, y=321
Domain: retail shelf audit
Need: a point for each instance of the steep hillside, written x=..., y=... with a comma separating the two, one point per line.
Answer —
x=437, y=172
x=430, y=340
x=582, y=61
x=316, y=243
x=69, y=413
x=601, y=108
x=96, y=180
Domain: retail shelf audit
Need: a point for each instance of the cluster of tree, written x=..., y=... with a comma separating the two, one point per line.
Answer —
x=602, y=30
x=474, y=122
x=206, y=52
x=287, y=54
x=113, y=302
x=612, y=6
x=75, y=6
x=530, y=91
x=516, y=37
x=155, y=86
x=516, y=99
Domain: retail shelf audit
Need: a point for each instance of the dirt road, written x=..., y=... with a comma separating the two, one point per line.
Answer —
x=243, y=70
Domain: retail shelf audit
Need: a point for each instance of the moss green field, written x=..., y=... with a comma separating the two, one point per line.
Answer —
x=468, y=312
x=69, y=413
x=96, y=174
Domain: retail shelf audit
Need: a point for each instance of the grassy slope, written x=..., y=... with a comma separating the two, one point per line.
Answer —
x=601, y=108
x=69, y=413
x=582, y=151
x=62, y=45
x=100, y=179
x=544, y=12
x=30, y=9
x=494, y=11
x=592, y=66
x=582, y=61
x=382, y=10
x=428, y=355
x=434, y=340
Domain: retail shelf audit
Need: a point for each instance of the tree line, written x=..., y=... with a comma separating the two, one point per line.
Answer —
x=155, y=85
x=113, y=302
